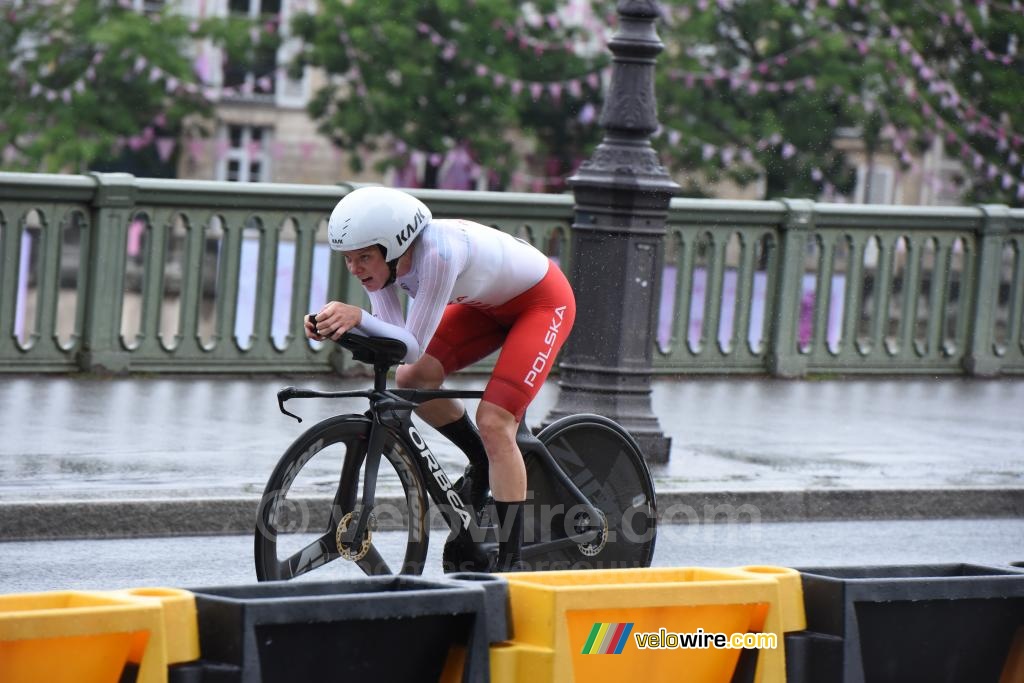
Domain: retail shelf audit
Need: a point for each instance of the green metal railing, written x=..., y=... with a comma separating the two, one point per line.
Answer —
x=794, y=287
x=118, y=273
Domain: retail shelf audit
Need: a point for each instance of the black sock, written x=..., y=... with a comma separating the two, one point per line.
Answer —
x=510, y=534
x=463, y=433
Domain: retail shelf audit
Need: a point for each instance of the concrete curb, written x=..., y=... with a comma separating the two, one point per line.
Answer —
x=53, y=520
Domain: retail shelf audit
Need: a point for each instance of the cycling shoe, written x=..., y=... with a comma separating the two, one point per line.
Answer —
x=472, y=488
x=463, y=556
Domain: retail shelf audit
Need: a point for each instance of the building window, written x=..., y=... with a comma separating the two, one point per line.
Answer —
x=149, y=6
x=882, y=186
x=247, y=154
x=256, y=77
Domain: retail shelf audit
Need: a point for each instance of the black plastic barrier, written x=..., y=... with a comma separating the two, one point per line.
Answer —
x=368, y=629
x=908, y=624
x=495, y=588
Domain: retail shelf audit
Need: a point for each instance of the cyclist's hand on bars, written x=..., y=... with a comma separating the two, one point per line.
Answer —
x=311, y=332
x=337, y=318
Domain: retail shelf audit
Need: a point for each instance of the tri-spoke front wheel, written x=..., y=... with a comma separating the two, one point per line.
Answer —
x=311, y=498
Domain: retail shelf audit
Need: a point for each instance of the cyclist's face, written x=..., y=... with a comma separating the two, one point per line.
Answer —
x=369, y=266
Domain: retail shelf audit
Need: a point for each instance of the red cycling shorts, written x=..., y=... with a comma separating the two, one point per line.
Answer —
x=529, y=330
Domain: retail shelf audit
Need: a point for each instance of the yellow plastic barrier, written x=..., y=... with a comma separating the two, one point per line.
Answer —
x=88, y=637
x=586, y=626
x=180, y=625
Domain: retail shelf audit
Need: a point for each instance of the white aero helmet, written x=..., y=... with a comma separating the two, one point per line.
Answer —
x=377, y=215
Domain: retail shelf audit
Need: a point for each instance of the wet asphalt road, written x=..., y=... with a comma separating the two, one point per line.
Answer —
x=192, y=562
x=79, y=438
x=88, y=438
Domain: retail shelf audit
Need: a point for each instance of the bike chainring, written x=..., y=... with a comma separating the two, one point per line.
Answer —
x=594, y=547
x=349, y=553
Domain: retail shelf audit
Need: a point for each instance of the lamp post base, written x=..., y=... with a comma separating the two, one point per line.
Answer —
x=624, y=397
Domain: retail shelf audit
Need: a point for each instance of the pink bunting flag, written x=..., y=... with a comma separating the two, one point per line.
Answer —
x=587, y=114
x=165, y=148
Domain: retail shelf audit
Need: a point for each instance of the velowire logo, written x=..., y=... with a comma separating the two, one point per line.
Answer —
x=607, y=639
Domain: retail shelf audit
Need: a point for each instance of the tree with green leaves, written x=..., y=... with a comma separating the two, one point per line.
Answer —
x=748, y=90
x=563, y=59
x=431, y=76
x=97, y=84
x=953, y=75
x=762, y=89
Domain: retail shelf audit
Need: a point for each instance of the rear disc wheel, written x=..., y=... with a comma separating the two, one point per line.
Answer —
x=606, y=464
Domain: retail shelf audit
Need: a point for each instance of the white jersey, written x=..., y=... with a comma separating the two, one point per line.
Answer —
x=453, y=262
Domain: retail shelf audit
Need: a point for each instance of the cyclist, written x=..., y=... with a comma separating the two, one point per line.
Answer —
x=473, y=289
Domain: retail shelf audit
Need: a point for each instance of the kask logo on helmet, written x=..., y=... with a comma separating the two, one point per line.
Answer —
x=411, y=229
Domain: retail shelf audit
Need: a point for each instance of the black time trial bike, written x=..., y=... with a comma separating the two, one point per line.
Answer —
x=590, y=498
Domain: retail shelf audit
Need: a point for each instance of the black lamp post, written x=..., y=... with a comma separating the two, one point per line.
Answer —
x=622, y=195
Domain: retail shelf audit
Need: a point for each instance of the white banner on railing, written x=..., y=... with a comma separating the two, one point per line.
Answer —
x=759, y=295
x=284, y=277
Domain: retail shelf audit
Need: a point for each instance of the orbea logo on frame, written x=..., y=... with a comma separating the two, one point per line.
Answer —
x=607, y=639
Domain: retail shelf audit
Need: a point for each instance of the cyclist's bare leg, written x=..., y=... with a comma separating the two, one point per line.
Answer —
x=508, y=481
x=428, y=373
x=498, y=431
x=497, y=427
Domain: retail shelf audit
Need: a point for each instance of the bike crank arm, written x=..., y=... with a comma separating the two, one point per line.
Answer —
x=534, y=549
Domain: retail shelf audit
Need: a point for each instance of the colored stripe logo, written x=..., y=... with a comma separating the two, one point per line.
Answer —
x=607, y=639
